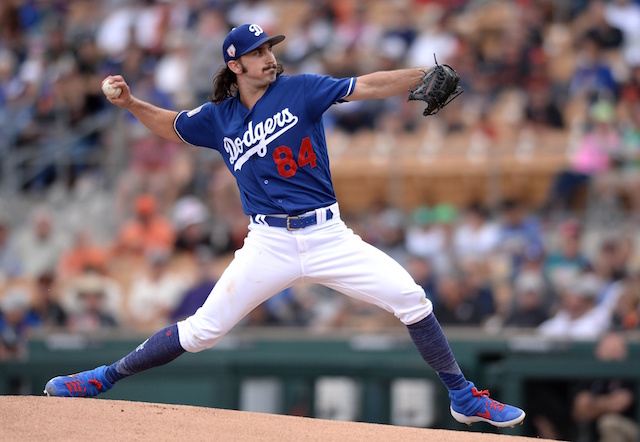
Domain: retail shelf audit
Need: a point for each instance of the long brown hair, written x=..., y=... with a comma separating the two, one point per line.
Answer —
x=225, y=83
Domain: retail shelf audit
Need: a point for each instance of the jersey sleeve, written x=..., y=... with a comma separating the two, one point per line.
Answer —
x=196, y=126
x=321, y=91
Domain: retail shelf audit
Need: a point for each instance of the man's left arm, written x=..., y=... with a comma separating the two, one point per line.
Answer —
x=385, y=84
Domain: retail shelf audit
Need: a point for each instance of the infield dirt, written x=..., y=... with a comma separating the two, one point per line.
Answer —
x=31, y=418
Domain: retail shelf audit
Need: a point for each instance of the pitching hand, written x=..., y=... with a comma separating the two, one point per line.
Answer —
x=125, y=98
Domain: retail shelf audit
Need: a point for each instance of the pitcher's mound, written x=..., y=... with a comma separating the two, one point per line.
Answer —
x=31, y=418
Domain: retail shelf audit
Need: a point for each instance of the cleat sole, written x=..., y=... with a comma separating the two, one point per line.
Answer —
x=472, y=419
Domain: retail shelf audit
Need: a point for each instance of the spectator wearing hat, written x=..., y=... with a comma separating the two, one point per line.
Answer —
x=92, y=312
x=579, y=318
x=93, y=282
x=528, y=309
x=149, y=230
x=190, y=216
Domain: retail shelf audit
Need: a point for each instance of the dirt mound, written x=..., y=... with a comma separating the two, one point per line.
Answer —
x=27, y=418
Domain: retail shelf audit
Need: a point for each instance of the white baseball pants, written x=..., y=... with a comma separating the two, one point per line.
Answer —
x=273, y=258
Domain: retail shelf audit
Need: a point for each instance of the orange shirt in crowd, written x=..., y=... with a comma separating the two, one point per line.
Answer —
x=147, y=231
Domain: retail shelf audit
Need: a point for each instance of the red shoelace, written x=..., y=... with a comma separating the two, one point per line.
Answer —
x=493, y=404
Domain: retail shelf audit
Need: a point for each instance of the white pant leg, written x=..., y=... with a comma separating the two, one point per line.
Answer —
x=267, y=264
x=341, y=260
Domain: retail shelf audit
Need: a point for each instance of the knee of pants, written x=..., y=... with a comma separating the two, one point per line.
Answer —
x=414, y=312
x=196, y=334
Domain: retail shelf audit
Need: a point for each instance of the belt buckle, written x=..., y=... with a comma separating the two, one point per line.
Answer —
x=289, y=218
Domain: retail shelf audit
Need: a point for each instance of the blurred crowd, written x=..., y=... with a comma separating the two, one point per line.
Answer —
x=145, y=250
x=542, y=65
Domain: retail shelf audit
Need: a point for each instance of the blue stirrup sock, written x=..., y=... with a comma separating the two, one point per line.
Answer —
x=161, y=348
x=428, y=337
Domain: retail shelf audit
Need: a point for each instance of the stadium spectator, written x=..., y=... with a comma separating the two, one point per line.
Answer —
x=625, y=179
x=199, y=290
x=16, y=323
x=387, y=231
x=155, y=293
x=91, y=313
x=92, y=299
x=210, y=30
x=189, y=217
x=625, y=15
x=253, y=11
x=150, y=162
x=528, y=309
x=309, y=38
x=45, y=304
x=147, y=231
x=578, y=318
x=284, y=309
x=435, y=38
x=10, y=262
x=171, y=75
x=453, y=305
x=593, y=78
x=519, y=234
x=565, y=259
x=590, y=162
x=600, y=29
x=478, y=286
x=82, y=253
x=542, y=109
x=423, y=273
x=476, y=236
x=611, y=263
x=431, y=235
x=604, y=409
x=41, y=245
x=626, y=312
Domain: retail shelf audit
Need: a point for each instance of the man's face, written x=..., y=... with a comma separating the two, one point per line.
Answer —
x=258, y=66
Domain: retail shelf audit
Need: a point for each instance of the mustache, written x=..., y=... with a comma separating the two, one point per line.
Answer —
x=270, y=66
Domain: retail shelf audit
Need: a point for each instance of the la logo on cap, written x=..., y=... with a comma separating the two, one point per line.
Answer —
x=257, y=30
x=231, y=50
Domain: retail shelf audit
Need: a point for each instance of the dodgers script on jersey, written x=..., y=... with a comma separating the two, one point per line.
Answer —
x=277, y=150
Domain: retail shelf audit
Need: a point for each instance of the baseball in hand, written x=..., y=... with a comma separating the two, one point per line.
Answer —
x=110, y=91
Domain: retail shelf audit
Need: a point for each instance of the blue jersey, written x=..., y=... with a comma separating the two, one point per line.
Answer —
x=277, y=150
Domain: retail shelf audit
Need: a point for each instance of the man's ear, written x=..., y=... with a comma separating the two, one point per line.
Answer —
x=235, y=67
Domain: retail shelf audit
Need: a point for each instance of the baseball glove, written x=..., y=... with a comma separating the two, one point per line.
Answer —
x=437, y=87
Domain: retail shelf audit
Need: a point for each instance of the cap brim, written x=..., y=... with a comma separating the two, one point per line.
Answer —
x=274, y=41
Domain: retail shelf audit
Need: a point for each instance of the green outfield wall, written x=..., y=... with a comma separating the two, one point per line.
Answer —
x=293, y=361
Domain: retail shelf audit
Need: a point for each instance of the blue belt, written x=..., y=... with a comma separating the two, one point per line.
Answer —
x=290, y=222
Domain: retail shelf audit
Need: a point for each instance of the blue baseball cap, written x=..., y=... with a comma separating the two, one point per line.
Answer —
x=244, y=39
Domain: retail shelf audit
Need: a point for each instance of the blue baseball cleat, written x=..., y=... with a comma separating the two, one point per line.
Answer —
x=85, y=384
x=471, y=405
